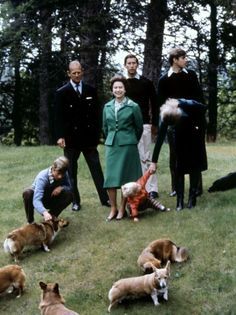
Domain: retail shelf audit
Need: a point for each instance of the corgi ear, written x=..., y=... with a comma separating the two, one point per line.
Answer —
x=149, y=267
x=42, y=285
x=56, y=288
x=167, y=267
x=63, y=223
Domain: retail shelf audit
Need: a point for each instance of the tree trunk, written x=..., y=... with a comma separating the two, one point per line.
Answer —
x=157, y=13
x=89, y=39
x=44, y=81
x=212, y=76
x=103, y=53
x=16, y=113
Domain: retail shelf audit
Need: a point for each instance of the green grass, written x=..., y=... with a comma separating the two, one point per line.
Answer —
x=90, y=254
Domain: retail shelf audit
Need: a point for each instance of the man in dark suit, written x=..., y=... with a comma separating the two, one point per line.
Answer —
x=77, y=124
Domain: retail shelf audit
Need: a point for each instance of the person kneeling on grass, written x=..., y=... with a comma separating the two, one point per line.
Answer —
x=138, y=198
x=51, y=190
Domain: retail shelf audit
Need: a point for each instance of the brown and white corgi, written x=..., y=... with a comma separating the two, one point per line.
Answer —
x=12, y=279
x=36, y=234
x=159, y=252
x=52, y=303
x=153, y=284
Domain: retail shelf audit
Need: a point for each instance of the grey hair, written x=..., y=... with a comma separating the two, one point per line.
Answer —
x=170, y=113
x=61, y=164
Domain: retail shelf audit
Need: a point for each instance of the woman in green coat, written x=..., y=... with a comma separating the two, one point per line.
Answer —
x=123, y=127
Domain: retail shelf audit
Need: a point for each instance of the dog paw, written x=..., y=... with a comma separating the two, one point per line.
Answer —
x=46, y=249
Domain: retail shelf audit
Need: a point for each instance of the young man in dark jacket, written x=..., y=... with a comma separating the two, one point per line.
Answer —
x=178, y=82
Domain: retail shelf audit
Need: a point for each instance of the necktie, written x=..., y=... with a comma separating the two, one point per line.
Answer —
x=77, y=90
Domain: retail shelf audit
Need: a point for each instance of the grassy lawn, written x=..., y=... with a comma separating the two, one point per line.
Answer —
x=90, y=254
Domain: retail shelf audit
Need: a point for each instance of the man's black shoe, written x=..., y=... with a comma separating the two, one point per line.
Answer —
x=76, y=207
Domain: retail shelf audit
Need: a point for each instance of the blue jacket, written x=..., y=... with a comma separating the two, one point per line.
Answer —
x=44, y=184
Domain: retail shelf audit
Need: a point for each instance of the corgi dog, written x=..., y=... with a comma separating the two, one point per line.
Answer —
x=36, y=234
x=153, y=284
x=52, y=303
x=12, y=278
x=160, y=251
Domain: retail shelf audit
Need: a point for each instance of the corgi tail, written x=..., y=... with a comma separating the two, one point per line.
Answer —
x=9, y=246
x=181, y=254
x=114, y=297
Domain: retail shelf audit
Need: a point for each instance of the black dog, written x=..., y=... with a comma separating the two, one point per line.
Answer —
x=224, y=183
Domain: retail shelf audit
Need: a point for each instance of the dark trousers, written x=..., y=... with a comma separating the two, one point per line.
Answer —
x=172, y=157
x=172, y=164
x=91, y=156
x=55, y=204
x=194, y=178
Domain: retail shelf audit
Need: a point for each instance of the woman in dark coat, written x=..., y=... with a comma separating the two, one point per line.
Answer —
x=188, y=118
x=123, y=127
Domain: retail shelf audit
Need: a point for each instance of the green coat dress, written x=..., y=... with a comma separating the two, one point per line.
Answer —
x=122, y=162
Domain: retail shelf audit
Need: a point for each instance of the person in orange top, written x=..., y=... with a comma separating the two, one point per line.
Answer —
x=138, y=198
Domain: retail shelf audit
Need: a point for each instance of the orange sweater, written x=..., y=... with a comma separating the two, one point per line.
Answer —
x=141, y=196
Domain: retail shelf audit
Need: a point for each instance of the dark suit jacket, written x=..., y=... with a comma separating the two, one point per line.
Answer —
x=179, y=85
x=77, y=119
x=189, y=138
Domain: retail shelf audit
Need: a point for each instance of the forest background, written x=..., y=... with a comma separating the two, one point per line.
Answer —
x=39, y=38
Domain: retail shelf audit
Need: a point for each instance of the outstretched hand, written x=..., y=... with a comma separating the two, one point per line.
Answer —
x=152, y=168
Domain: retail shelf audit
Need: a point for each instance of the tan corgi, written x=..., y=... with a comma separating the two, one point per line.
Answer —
x=52, y=303
x=159, y=252
x=37, y=234
x=153, y=284
x=12, y=279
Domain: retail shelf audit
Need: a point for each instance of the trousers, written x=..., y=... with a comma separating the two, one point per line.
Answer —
x=55, y=204
x=144, y=148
